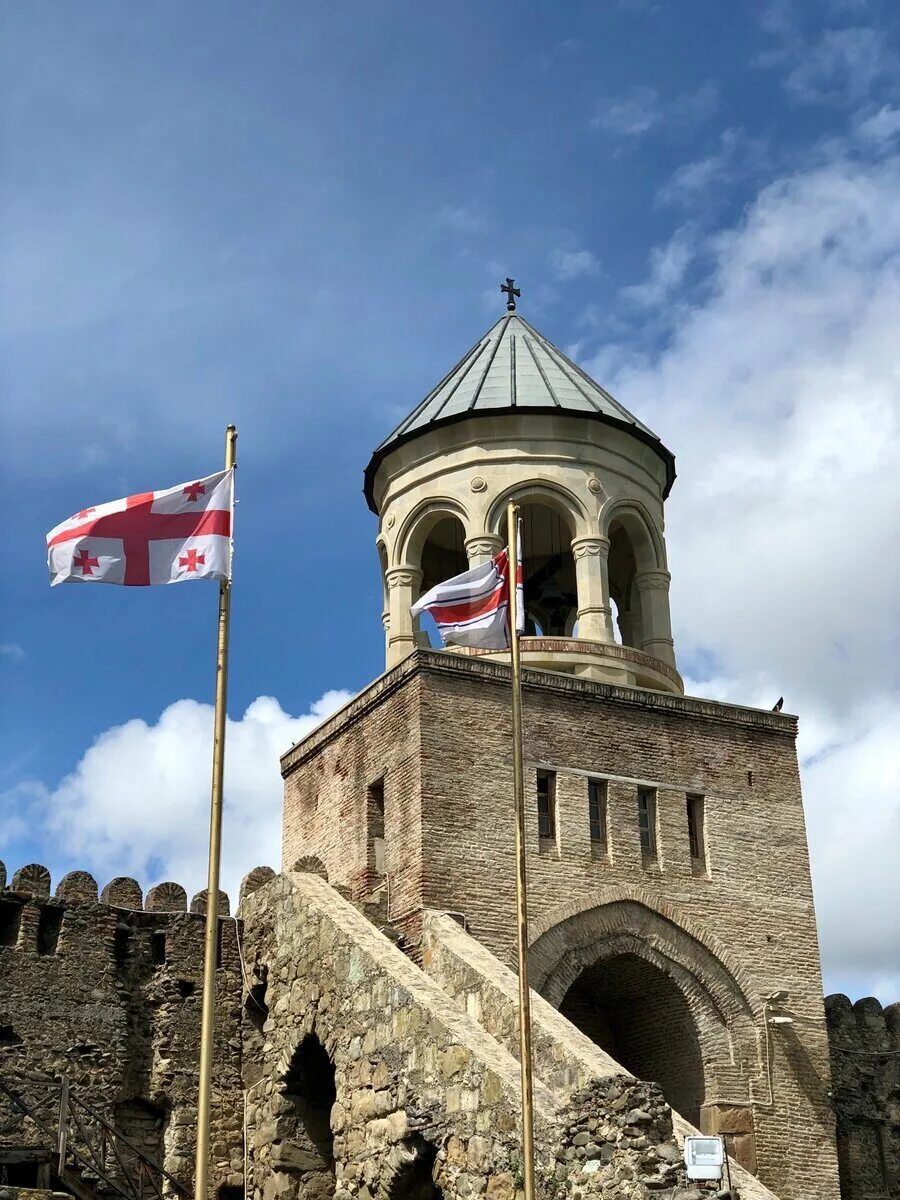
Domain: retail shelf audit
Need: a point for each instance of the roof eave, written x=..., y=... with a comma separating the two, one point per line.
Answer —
x=383, y=451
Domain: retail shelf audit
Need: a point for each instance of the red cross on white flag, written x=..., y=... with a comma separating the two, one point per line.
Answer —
x=181, y=533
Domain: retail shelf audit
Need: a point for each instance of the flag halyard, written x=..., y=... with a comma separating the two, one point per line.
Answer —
x=182, y=532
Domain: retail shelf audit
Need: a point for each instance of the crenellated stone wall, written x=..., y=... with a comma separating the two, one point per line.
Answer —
x=106, y=990
x=864, y=1040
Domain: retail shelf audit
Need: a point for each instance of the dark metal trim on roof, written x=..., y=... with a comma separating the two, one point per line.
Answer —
x=590, y=391
x=541, y=372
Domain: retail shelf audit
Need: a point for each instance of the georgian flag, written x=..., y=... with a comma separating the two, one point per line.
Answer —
x=181, y=533
x=472, y=609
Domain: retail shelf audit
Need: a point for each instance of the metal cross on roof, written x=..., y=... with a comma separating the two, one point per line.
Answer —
x=511, y=293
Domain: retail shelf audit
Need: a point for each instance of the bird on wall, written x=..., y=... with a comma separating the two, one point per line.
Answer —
x=778, y=705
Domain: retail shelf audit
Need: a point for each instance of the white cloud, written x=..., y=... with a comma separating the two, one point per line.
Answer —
x=571, y=264
x=462, y=218
x=736, y=157
x=882, y=126
x=781, y=395
x=642, y=109
x=12, y=650
x=137, y=803
x=841, y=66
x=668, y=265
x=838, y=66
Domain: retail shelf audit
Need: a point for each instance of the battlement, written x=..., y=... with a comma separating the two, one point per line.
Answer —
x=104, y=986
x=864, y=1044
x=33, y=882
x=117, y=925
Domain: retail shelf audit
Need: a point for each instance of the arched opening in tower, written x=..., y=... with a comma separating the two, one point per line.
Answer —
x=638, y=1015
x=551, y=594
x=305, y=1148
x=623, y=588
x=443, y=556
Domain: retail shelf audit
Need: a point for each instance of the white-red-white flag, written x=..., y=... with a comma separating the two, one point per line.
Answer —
x=472, y=609
x=183, y=532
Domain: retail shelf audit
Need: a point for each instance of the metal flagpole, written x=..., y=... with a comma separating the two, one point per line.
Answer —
x=512, y=523
x=207, y=1023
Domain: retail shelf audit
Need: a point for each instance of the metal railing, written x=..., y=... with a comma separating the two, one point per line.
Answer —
x=93, y=1156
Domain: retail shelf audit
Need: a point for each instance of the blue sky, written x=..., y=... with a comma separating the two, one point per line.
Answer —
x=297, y=218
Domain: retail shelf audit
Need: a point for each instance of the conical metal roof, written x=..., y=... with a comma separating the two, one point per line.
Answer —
x=514, y=367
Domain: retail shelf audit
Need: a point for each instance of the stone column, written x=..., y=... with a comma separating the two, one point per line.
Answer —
x=403, y=589
x=592, y=581
x=656, y=623
x=482, y=549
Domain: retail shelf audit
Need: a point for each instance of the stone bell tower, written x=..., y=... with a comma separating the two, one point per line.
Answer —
x=670, y=906
x=516, y=419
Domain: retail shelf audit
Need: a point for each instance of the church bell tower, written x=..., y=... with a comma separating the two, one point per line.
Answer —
x=670, y=907
x=516, y=419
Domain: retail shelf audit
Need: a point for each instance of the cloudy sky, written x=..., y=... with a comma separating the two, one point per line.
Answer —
x=296, y=218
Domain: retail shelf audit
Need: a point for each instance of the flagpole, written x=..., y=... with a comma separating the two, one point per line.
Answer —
x=525, y=1058
x=208, y=1018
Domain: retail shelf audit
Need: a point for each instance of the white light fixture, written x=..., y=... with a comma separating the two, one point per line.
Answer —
x=704, y=1157
x=781, y=1020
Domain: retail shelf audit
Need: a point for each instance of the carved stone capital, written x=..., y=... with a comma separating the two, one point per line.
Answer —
x=488, y=544
x=397, y=577
x=650, y=580
x=590, y=547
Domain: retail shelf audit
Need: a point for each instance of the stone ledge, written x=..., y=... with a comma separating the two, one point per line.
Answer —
x=442, y=662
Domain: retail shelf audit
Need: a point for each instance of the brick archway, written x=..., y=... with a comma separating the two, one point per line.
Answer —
x=699, y=992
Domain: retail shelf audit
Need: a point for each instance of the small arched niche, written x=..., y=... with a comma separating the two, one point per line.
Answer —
x=551, y=594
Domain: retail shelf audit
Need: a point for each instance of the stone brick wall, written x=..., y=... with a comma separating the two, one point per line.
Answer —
x=865, y=1068
x=729, y=934
x=326, y=809
x=421, y=1101
x=108, y=992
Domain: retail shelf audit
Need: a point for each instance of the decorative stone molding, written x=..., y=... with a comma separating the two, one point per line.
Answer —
x=407, y=576
x=590, y=547
x=254, y=880
x=651, y=580
x=391, y=521
x=486, y=545
x=33, y=879
x=198, y=904
x=166, y=897
x=478, y=484
x=594, y=485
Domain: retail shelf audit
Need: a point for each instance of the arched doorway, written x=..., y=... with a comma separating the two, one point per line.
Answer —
x=638, y=1015
x=413, y=1177
x=305, y=1150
